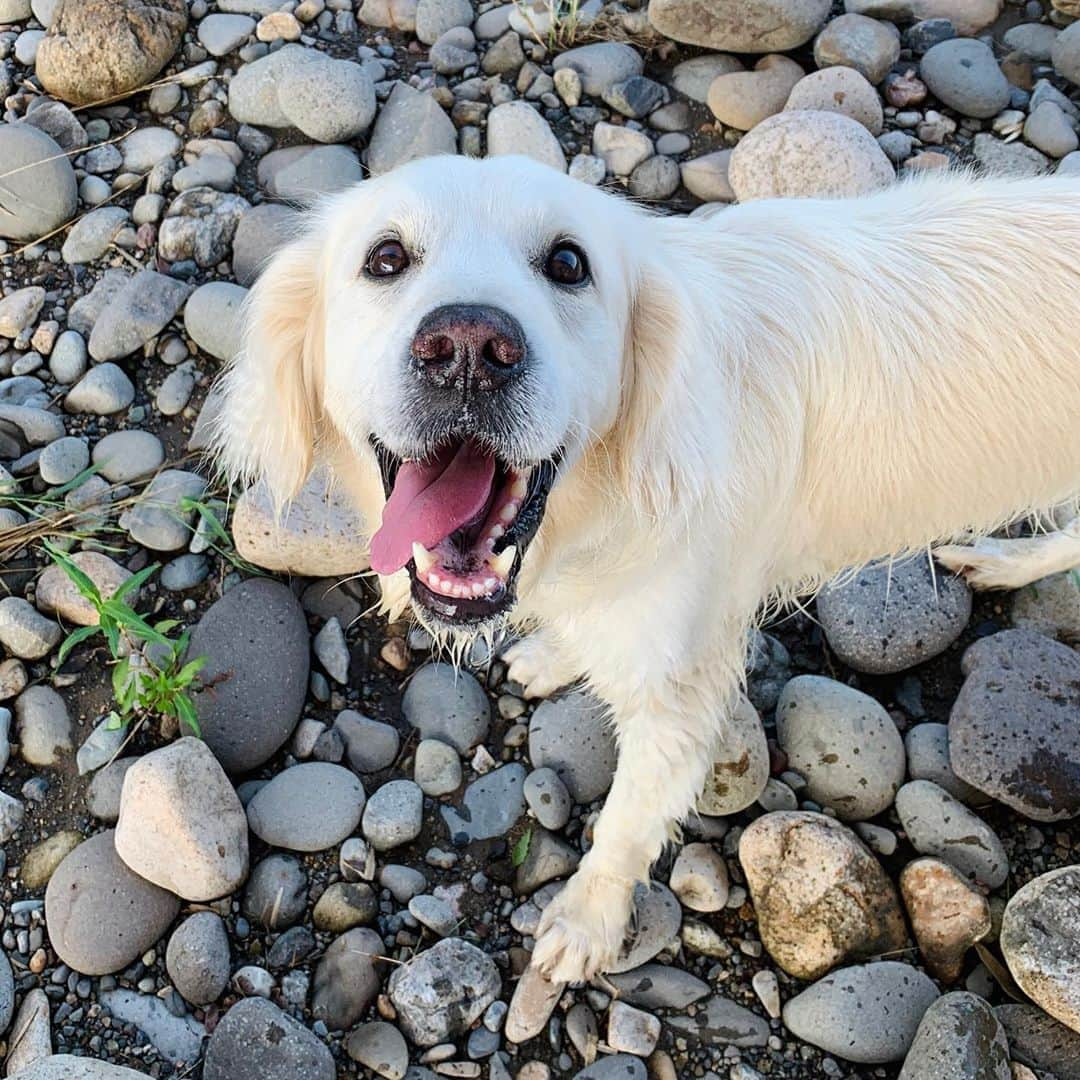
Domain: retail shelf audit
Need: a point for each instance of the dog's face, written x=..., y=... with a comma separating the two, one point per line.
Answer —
x=466, y=324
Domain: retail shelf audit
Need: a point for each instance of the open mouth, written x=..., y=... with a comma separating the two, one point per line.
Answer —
x=460, y=522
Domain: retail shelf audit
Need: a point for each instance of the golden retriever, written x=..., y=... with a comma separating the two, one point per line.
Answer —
x=627, y=433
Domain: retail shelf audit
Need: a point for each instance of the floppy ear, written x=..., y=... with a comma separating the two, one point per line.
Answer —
x=271, y=407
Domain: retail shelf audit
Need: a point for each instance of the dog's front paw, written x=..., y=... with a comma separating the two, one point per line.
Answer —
x=582, y=930
x=534, y=664
x=989, y=563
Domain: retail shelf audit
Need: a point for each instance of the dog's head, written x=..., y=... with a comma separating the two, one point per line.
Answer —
x=465, y=326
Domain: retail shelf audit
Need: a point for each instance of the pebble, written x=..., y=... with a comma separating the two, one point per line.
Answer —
x=261, y=231
x=330, y=101
x=601, y=65
x=67, y=361
x=656, y=178
x=103, y=390
x=345, y=905
x=820, y=897
x=1040, y=1041
x=699, y=878
x=719, y=1021
x=92, y=235
x=436, y=768
x=491, y=806
x=1040, y=940
x=276, y=893
x=842, y=90
x=309, y=807
x=435, y=17
x=547, y=798
x=1004, y=159
x=134, y=314
x=1048, y=129
x=103, y=794
x=181, y=825
x=959, y=1037
x=870, y=46
x=123, y=456
x=39, y=864
x=570, y=735
x=346, y=979
x=890, y=1000
x=659, y=986
x=948, y=915
x=761, y=27
x=63, y=460
x=157, y=519
x=631, y=1030
x=1012, y=730
x=656, y=926
x=444, y=703
x=223, y=34
x=332, y=651
x=42, y=723
x=939, y=825
x=843, y=743
x=410, y=125
x=381, y=1048
x=393, y=815
x=441, y=992
x=197, y=958
x=706, y=177
x=256, y=641
x=963, y=74
x=178, y=1039
x=404, y=882
x=40, y=192
x=369, y=744
x=199, y=225
x=24, y=632
x=212, y=317
x=742, y=99
x=19, y=310
x=927, y=747
x=515, y=127
x=100, y=915
x=1065, y=53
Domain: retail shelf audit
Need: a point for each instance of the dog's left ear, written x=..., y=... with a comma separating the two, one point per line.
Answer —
x=271, y=409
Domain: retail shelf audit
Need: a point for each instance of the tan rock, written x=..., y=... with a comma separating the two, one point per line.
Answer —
x=948, y=915
x=699, y=878
x=706, y=177
x=742, y=99
x=42, y=859
x=841, y=90
x=821, y=898
x=736, y=26
x=57, y=593
x=534, y=1000
x=319, y=534
x=741, y=769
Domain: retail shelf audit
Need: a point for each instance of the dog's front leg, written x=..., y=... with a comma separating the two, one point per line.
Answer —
x=666, y=741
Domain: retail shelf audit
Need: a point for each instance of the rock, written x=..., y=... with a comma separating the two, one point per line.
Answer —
x=253, y=91
x=381, y=1048
x=843, y=743
x=515, y=127
x=103, y=795
x=491, y=806
x=57, y=594
x=657, y=917
x=12, y=813
x=197, y=958
x=67, y=361
x=63, y=460
x=261, y=231
x=7, y=993
x=330, y=101
x=101, y=49
x=309, y=807
x=890, y=617
x=256, y=1040
x=43, y=725
x=346, y=979
x=344, y=906
x=410, y=125
x=319, y=533
x=742, y=99
x=1048, y=129
x=938, y=825
x=212, y=318
x=1013, y=160
x=801, y=154
x=547, y=798
x=70, y=1067
x=100, y=915
x=699, y=878
x=103, y=390
x=25, y=633
x=146, y=147
x=1065, y=54
x=177, y=1038
x=256, y=642
x=389, y=14
x=694, y=77
x=393, y=815
x=199, y=225
x=570, y=735
x=20, y=309
x=332, y=651
x=138, y=312
x=220, y=35
x=91, y=236
x=158, y=520
x=181, y=825
x=1040, y=940
x=963, y=74
x=958, y=1038
x=601, y=65
x=719, y=1021
x=739, y=774
x=821, y=898
x=435, y=17
x=621, y=148
x=1013, y=731
x=1040, y=1041
x=370, y=745
x=441, y=992
x=1050, y=606
x=842, y=90
x=947, y=915
x=892, y=999
x=659, y=986
x=437, y=768
x=729, y=26
x=927, y=748
x=31, y=1040
x=531, y=1005
x=855, y=41
x=38, y=192
x=548, y=858
x=632, y=1031
x=276, y=893
x=444, y=703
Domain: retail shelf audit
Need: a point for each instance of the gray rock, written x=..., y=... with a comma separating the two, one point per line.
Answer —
x=310, y=807
x=100, y=915
x=393, y=815
x=91, y=236
x=548, y=798
x=571, y=735
x=655, y=179
x=69, y=1067
x=635, y=97
x=958, y=1038
x=212, y=318
x=891, y=617
x=491, y=806
x=404, y=882
x=436, y=768
x=843, y=743
x=870, y=46
x=601, y=65
x=255, y=1040
x=410, y=125
x=657, y=918
x=25, y=633
x=103, y=794
x=87, y=309
x=694, y=77
x=927, y=747
x=622, y=148
x=331, y=101
x=43, y=725
x=347, y=979
x=276, y=893
x=440, y=993
x=7, y=993
x=332, y=650
x=177, y=1038
x=199, y=225
x=1050, y=606
x=1048, y=129
x=547, y=859
x=515, y=127
x=123, y=456
x=1013, y=731
x=434, y=913
x=381, y=1048
x=256, y=642
x=938, y=825
x=435, y=17
x=867, y=1014
x=1013, y=160
x=369, y=744
x=1034, y=41
x=103, y=390
x=197, y=958
x=158, y=519
x=444, y=703
x=262, y=230
x=99, y=747
x=134, y=314
x=615, y=1067
x=721, y=1022
x=1039, y=1041
x=63, y=460
x=253, y=91
x=220, y=34
x=1065, y=53
x=184, y=573
x=209, y=170
x=67, y=361
x=1040, y=940
x=12, y=814
x=659, y=986
x=303, y=173
x=145, y=147
x=38, y=192
x=963, y=74
x=37, y=426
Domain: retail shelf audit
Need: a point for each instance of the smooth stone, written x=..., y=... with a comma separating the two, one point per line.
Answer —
x=730, y=26
x=410, y=125
x=1065, y=53
x=699, y=878
x=1013, y=160
x=58, y=594
x=570, y=735
x=741, y=770
x=706, y=177
x=620, y=148
x=444, y=703
x=964, y=74
x=146, y=147
x=657, y=918
x=659, y=986
x=393, y=815
x=436, y=768
x=103, y=390
x=1050, y=606
x=253, y=91
x=601, y=65
x=212, y=318
x=199, y=224
x=138, y=312
x=381, y=1048
x=276, y=893
x=742, y=99
x=870, y=46
x=345, y=905
x=719, y=1021
x=39, y=192
x=927, y=747
x=491, y=806
x=24, y=632
x=959, y=1038
x=369, y=744
x=123, y=456
x=515, y=127
x=104, y=793
x=70, y=1067
x=533, y=1001
x=312, y=806
x=547, y=798
x=262, y=230
x=38, y=866
x=693, y=77
x=43, y=726
x=157, y=519
x=331, y=101
x=63, y=460
x=842, y=90
x=222, y=34
x=1040, y=1041
x=547, y=859
x=1048, y=129
x=197, y=958
x=178, y=1039
x=67, y=361
x=346, y=979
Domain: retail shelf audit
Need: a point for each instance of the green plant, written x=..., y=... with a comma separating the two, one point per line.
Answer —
x=217, y=537
x=520, y=851
x=149, y=676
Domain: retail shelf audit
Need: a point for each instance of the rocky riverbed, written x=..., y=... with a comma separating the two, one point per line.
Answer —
x=341, y=877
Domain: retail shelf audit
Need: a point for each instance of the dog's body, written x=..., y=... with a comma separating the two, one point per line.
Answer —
x=742, y=406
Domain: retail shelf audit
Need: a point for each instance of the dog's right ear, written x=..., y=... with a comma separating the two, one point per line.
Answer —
x=270, y=413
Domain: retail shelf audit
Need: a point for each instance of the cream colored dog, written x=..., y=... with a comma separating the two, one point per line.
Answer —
x=627, y=433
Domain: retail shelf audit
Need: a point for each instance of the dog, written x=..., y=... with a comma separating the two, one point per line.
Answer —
x=625, y=435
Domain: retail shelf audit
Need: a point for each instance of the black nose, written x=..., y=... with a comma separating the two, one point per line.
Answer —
x=468, y=347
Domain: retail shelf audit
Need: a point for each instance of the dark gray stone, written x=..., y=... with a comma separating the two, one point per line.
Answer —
x=959, y=1038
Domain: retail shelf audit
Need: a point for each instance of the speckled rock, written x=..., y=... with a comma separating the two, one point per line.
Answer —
x=1041, y=1041
x=444, y=703
x=731, y=26
x=570, y=734
x=841, y=90
x=959, y=1038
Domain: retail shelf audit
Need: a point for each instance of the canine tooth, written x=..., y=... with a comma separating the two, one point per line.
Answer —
x=521, y=486
x=503, y=563
x=423, y=558
x=490, y=583
x=509, y=511
x=495, y=532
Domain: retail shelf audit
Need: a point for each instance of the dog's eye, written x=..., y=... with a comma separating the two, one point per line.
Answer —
x=387, y=259
x=567, y=265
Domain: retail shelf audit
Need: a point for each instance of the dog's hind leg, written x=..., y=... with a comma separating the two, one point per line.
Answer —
x=991, y=563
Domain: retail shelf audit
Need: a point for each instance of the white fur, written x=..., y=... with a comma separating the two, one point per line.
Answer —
x=750, y=402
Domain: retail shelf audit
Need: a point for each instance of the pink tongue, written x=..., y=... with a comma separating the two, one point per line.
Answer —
x=429, y=502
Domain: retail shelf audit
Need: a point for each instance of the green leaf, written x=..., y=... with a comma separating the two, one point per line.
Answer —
x=136, y=581
x=520, y=851
x=87, y=589
x=74, y=638
x=76, y=481
x=185, y=711
x=166, y=625
x=116, y=722
x=120, y=674
x=112, y=636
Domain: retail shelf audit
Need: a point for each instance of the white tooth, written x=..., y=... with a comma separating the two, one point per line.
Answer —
x=521, y=486
x=423, y=558
x=433, y=580
x=478, y=589
x=495, y=532
x=503, y=563
x=509, y=512
x=490, y=583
